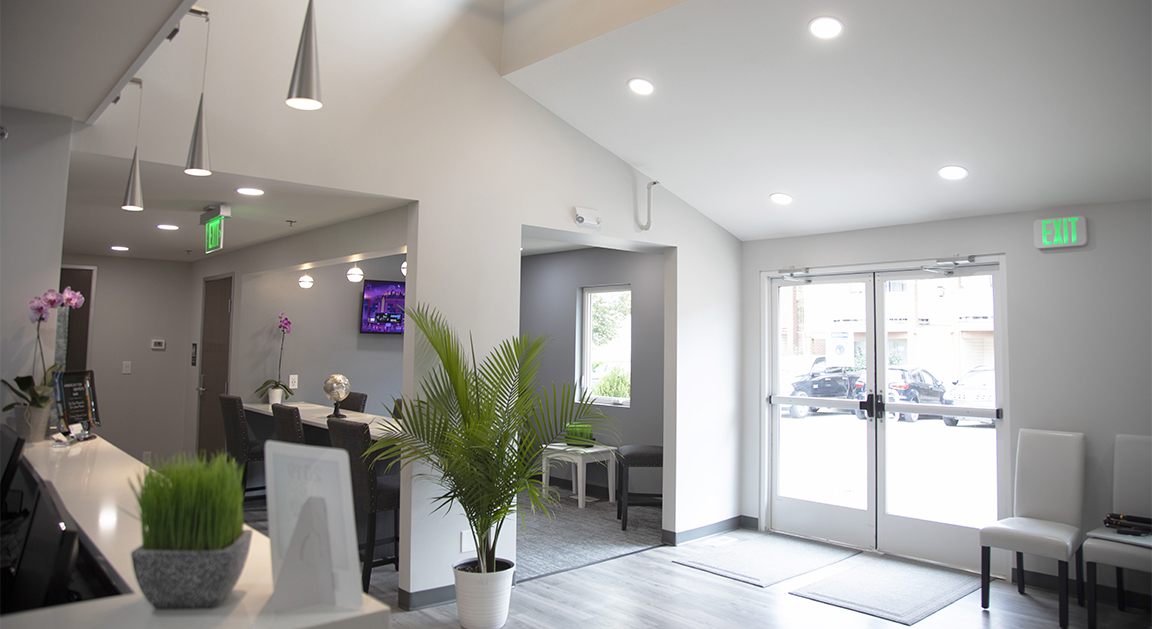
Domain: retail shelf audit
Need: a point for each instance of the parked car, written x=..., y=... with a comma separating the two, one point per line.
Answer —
x=976, y=389
x=912, y=385
x=823, y=381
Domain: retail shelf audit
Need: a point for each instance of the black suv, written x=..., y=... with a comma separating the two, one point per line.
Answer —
x=823, y=381
x=907, y=385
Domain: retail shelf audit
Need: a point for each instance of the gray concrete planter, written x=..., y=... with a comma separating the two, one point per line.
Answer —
x=178, y=579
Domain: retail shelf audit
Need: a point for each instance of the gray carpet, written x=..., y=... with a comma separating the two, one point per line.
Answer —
x=761, y=559
x=574, y=537
x=894, y=589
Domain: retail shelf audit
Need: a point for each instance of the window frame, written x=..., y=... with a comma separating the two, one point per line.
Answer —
x=584, y=346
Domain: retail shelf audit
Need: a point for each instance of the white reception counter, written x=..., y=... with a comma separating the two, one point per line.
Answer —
x=92, y=479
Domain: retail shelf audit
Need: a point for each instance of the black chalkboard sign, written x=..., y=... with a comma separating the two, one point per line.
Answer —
x=76, y=399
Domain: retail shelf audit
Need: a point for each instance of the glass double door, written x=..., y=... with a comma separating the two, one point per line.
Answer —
x=885, y=410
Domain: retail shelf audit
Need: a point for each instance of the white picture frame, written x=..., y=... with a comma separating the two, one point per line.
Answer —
x=295, y=474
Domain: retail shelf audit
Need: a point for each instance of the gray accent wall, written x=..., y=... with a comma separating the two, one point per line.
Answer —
x=549, y=306
x=33, y=190
x=135, y=301
x=325, y=337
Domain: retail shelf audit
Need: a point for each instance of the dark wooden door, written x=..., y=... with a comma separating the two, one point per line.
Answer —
x=79, y=320
x=215, y=338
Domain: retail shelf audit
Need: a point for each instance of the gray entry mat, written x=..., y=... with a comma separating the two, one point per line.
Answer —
x=894, y=589
x=761, y=559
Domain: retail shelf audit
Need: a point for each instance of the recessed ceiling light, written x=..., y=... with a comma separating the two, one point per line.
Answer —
x=250, y=192
x=953, y=173
x=168, y=228
x=825, y=27
x=642, y=87
x=118, y=248
x=780, y=198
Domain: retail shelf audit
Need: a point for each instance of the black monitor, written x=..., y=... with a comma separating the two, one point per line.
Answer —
x=45, y=566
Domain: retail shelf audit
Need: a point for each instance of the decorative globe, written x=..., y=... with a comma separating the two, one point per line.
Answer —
x=337, y=387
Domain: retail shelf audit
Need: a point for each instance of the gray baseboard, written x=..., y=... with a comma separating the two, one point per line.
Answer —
x=1104, y=593
x=410, y=601
x=750, y=523
x=673, y=538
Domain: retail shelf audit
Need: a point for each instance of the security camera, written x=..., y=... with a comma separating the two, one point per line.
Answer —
x=587, y=217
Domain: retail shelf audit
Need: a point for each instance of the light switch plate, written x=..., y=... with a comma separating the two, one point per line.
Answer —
x=293, y=381
x=126, y=367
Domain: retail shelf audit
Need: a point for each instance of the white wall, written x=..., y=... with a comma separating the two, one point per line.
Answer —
x=549, y=307
x=33, y=190
x=437, y=123
x=535, y=30
x=325, y=337
x=136, y=301
x=1079, y=324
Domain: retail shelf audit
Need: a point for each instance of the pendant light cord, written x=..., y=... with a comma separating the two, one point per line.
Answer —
x=207, y=41
x=139, y=111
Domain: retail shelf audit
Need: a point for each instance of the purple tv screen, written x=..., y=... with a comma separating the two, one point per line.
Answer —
x=382, y=311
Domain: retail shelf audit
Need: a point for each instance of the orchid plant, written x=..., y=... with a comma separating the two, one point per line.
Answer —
x=27, y=392
x=284, y=325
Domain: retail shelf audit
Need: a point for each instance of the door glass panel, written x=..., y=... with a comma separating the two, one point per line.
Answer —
x=821, y=350
x=939, y=349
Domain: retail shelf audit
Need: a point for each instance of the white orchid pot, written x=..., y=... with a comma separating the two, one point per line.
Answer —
x=35, y=425
x=275, y=395
x=482, y=598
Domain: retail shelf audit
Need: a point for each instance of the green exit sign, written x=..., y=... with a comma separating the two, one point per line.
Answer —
x=1053, y=233
x=214, y=234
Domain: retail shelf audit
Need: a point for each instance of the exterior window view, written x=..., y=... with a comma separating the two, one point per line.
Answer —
x=606, y=344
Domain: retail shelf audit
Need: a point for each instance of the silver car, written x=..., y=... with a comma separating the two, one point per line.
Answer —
x=976, y=389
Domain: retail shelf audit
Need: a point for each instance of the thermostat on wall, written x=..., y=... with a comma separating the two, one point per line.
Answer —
x=158, y=345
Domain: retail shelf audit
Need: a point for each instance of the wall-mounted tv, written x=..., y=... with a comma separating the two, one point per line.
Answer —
x=382, y=310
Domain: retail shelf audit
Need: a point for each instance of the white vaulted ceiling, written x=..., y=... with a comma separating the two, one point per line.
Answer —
x=1048, y=103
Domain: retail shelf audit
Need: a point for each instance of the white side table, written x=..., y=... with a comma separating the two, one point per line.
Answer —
x=579, y=457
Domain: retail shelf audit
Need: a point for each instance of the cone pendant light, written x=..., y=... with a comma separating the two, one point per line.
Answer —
x=134, y=193
x=304, y=91
x=197, y=164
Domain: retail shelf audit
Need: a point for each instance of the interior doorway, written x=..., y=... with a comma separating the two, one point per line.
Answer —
x=215, y=350
x=885, y=409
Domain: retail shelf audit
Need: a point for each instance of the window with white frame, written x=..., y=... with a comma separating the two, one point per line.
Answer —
x=605, y=346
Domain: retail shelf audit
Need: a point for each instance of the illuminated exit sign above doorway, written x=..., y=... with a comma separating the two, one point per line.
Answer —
x=214, y=234
x=1054, y=233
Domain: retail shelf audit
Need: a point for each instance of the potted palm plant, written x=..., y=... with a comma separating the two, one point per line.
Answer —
x=194, y=542
x=481, y=426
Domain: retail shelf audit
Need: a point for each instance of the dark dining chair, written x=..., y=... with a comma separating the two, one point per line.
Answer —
x=238, y=439
x=286, y=424
x=373, y=490
x=354, y=402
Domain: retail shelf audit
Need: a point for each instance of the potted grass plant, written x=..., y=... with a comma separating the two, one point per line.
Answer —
x=194, y=545
x=481, y=426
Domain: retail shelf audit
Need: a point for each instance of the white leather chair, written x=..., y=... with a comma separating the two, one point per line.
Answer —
x=1131, y=495
x=1049, y=493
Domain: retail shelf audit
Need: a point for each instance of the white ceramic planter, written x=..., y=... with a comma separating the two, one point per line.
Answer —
x=35, y=423
x=482, y=598
x=275, y=396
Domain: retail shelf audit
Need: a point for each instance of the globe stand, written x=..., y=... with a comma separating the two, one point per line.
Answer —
x=336, y=414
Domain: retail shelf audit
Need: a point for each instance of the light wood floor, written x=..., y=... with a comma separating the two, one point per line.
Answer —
x=648, y=590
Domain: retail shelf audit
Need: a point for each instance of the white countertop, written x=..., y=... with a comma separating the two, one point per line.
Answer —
x=92, y=478
x=317, y=415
